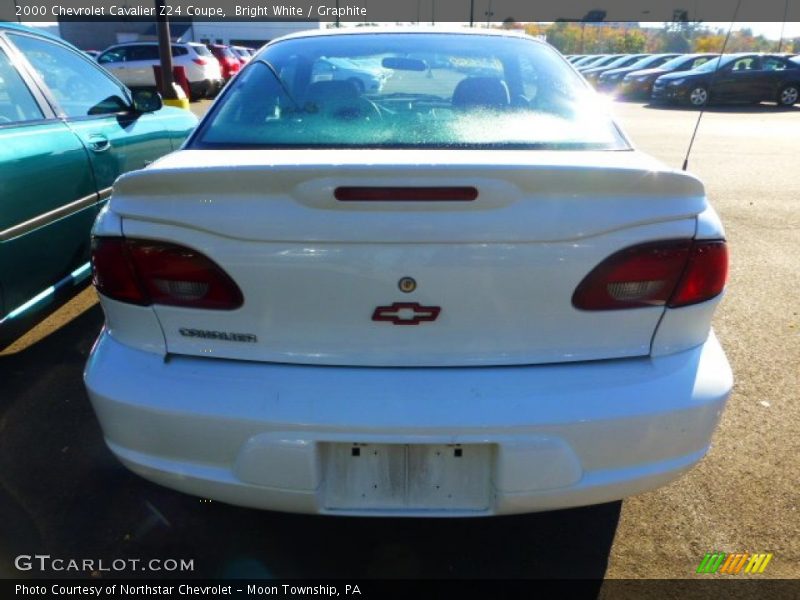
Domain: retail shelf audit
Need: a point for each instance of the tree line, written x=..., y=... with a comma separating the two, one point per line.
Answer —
x=629, y=38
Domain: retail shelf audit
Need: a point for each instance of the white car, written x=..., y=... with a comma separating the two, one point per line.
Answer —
x=132, y=63
x=243, y=53
x=364, y=76
x=462, y=296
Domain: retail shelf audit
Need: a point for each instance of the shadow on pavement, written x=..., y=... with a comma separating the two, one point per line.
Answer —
x=21, y=325
x=570, y=544
x=64, y=494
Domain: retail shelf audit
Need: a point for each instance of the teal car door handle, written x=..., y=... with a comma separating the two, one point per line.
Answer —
x=99, y=143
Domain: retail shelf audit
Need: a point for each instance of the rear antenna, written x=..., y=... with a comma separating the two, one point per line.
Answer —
x=710, y=85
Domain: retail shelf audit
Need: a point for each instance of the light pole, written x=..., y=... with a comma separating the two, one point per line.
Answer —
x=783, y=25
x=583, y=28
x=165, y=53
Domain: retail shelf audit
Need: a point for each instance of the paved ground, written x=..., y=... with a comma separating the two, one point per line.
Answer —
x=61, y=492
x=745, y=495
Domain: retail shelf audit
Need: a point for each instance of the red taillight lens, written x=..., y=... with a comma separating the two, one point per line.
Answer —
x=705, y=275
x=149, y=272
x=675, y=273
x=199, y=61
x=112, y=272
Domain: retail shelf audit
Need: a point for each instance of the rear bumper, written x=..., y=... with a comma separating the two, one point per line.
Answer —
x=560, y=435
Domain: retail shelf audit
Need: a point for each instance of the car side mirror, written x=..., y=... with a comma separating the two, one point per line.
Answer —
x=146, y=101
x=111, y=105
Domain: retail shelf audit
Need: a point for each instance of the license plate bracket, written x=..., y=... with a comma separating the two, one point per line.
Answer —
x=407, y=476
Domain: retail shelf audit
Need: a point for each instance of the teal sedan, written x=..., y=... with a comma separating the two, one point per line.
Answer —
x=68, y=129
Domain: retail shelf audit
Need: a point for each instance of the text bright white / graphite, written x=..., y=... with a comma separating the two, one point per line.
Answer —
x=287, y=10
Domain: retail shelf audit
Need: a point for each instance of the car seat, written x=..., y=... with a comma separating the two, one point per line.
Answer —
x=339, y=100
x=488, y=92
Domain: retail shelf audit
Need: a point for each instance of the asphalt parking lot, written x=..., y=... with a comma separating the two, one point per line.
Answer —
x=62, y=493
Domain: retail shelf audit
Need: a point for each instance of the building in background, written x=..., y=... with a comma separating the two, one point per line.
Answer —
x=252, y=33
x=97, y=35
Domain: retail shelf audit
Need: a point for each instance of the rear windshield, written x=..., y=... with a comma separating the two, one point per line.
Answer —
x=408, y=90
x=201, y=50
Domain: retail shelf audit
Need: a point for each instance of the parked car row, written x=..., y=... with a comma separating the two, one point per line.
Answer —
x=243, y=53
x=695, y=79
x=208, y=66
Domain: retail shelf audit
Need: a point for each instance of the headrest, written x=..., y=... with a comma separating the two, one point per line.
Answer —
x=331, y=91
x=481, y=91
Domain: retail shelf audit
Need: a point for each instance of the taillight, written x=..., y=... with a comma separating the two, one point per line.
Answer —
x=705, y=275
x=199, y=61
x=112, y=272
x=148, y=272
x=673, y=273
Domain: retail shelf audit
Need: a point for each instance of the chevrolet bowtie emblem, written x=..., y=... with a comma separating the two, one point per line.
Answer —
x=406, y=313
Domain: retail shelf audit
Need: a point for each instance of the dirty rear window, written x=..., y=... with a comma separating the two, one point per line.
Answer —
x=409, y=90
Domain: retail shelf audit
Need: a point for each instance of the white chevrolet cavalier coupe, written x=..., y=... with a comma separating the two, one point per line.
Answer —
x=463, y=294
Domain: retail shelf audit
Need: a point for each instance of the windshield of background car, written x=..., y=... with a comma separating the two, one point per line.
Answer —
x=712, y=64
x=648, y=61
x=621, y=61
x=409, y=90
x=201, y=50
x=678, y=61
x=607, y=61
x=587, y=60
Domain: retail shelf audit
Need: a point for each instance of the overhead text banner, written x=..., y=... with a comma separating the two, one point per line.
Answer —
x=391, y=11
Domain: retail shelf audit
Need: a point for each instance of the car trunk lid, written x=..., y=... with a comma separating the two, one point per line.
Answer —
x=322, y=274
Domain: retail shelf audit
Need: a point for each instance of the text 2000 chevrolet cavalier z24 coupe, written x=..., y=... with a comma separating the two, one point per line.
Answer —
x=463, y=294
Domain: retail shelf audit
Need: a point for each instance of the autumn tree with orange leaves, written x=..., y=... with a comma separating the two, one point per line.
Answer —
x=626, y=38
